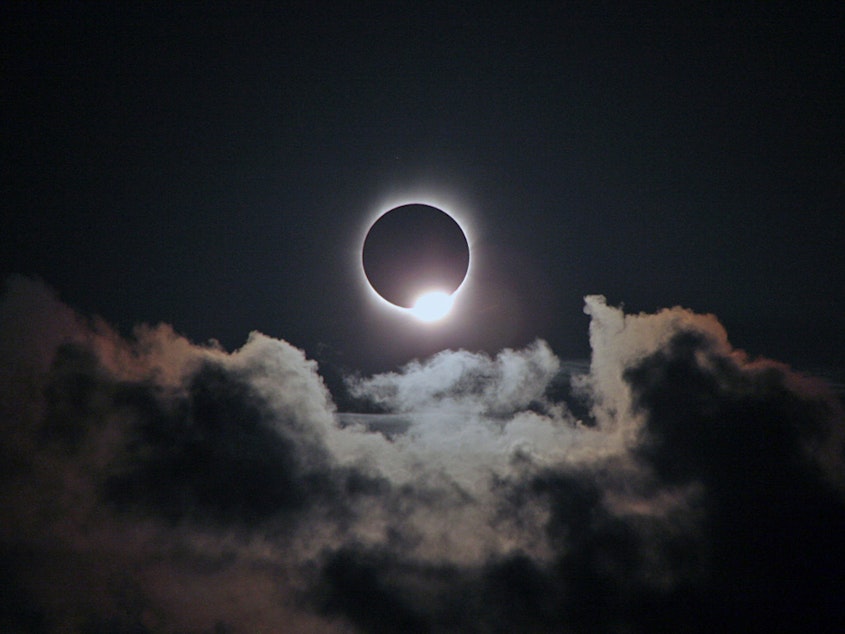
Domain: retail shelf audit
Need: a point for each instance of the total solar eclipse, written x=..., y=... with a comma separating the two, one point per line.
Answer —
x=416, y=256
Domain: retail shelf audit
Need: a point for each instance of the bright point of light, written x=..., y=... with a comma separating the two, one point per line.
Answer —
x=432, y=306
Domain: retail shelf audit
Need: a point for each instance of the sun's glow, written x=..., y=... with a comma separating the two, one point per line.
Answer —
x=458, y=208
x=432, y=306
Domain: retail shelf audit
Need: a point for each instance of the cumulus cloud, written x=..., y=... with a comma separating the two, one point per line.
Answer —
x=465, y=382
x=154, y=485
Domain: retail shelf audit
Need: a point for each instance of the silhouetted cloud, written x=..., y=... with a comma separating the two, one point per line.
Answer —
x=153, y=485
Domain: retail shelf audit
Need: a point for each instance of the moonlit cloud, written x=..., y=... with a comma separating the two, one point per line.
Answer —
x=151, y=484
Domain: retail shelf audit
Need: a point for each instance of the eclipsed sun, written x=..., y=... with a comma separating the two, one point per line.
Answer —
x=416, y=257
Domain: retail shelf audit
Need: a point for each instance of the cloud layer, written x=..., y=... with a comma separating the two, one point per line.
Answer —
x=153, y=485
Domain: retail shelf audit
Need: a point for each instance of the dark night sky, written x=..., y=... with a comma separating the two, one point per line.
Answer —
x=211, y=167
x=545, y=459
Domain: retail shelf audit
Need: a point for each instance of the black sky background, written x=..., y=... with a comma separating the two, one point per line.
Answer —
x=211, y=166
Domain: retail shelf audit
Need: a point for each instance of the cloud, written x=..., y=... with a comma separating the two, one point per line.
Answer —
x=154, y=485
x=465, y=382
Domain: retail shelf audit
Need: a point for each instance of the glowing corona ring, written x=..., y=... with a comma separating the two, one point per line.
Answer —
x=416, y=258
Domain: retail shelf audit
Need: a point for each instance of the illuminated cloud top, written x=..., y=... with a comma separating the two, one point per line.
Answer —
x=468, y=492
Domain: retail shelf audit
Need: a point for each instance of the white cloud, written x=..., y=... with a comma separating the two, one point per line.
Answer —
x=223, y=488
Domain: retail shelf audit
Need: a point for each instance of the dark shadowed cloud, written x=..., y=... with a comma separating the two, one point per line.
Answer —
x=154, y=485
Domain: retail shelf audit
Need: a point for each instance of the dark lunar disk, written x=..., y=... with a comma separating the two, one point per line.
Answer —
x=413, y=249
